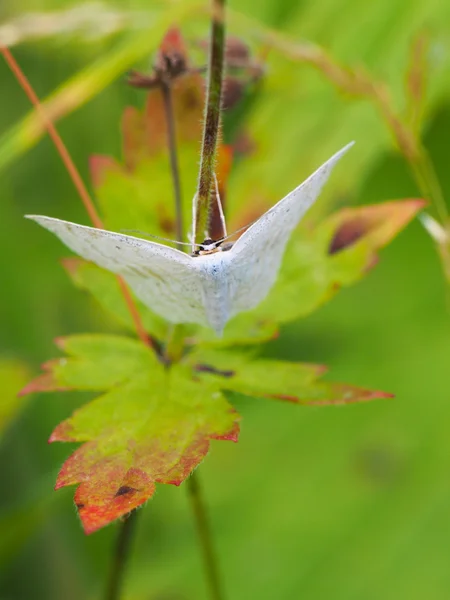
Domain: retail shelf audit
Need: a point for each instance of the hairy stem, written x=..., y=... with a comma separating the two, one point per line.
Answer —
x=75, y=176
x=204, y=536
x=200, y=226
x=121, y=554
x=173, y=156
x=212, y=121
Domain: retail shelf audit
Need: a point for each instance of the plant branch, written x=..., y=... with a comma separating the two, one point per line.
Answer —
x=166, y=91
x=212, y=121
x=204, y=536
x=75, y=176
x=121, y=554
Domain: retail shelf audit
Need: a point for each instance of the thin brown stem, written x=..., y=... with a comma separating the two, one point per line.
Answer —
x=75, y=176
x=54, y=135
x=205, y=538
x=212, y=121
x=173, y=156
x=121, y=555
x=134, y=312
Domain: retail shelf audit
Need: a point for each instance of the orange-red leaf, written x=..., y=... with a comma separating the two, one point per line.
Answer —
x=151, y=425
x=378, y=223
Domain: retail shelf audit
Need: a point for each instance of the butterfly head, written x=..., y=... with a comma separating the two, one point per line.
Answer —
x=209, y=246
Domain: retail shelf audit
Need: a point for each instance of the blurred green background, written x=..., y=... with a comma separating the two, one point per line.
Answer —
x=317, y=503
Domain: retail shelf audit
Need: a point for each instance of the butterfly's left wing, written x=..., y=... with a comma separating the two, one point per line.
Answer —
x=165, y=279
x=256, y=256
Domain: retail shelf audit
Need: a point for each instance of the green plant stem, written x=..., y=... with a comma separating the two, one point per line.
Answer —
x=428, y=183
x=173, y=349
x=120, y=557
x=212, y=121
x=201, y=222
x=204, y=536
x=173, y=157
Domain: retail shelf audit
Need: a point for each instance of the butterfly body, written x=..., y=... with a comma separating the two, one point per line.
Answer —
x=207, y=288
x=217, y=282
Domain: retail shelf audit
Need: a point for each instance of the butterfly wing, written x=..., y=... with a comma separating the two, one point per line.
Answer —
x=256, y=256
x=164, y=279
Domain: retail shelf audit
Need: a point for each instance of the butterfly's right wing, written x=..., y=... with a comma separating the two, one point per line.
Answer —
x=163, y=278
x=256, y=256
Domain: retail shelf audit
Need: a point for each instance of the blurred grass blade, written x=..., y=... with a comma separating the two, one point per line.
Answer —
x=89, y=21
x=13, y=375
x=90, y=81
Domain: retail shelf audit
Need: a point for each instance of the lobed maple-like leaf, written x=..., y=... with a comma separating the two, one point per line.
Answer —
x=153, y=424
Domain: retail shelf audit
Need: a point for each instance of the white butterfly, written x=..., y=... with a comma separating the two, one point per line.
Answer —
x=208, y=288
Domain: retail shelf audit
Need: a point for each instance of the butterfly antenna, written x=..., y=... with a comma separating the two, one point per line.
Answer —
x=157, y=237
x=227, y=237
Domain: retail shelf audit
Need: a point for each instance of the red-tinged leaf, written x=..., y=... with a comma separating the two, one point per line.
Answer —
x=223, y=170
x=188, y=105
x=99, y=166
x=173, y=44
x=311, y=275
x=298, y=383
x=152, y=424
x=43, y=383
x=145, y=133
x=378, y=223
x=134, y=137
x=137, y=195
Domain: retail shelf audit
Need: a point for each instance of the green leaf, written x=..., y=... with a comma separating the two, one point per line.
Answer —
x=280, y=380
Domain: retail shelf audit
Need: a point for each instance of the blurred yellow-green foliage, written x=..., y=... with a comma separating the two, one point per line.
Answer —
x=315, y=503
